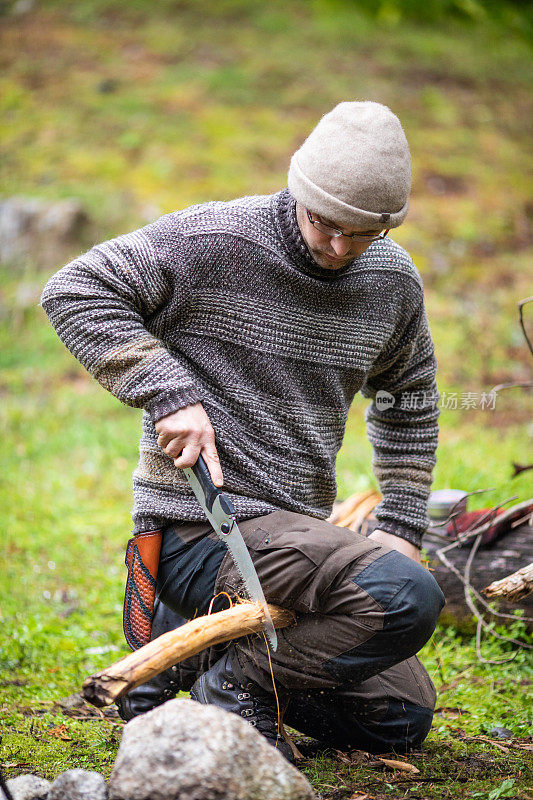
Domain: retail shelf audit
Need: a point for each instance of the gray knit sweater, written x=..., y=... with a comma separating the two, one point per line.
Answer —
x=222, y=303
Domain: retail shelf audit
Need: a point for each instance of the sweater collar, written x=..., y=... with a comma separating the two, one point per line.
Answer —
x=299, y=255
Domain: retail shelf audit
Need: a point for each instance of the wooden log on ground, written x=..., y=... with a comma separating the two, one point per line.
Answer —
x=511, y=553
x=514, y=587
x=102, y=688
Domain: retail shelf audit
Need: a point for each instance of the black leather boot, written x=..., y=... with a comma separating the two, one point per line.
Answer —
x=219, y=686
x=165, y=686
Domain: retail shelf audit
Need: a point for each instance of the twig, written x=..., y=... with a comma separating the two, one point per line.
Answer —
x=521, y=305
x=518, y=385
x=469, y=591
x=484, y=603
x=481, y=623
x=519, y=468
x=440, y=665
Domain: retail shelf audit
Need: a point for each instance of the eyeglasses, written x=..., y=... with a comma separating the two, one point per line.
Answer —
x=333, y=233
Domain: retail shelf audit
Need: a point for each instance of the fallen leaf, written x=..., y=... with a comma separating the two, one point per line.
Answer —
x=448, y=711
x=359, y=757
x=404, y=766
x=60, y=732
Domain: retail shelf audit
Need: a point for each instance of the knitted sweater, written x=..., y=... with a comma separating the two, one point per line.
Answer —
x=222, y=303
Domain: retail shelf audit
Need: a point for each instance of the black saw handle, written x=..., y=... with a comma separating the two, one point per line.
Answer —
x=211, y=491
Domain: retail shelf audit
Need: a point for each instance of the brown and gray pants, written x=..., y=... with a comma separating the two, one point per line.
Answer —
x=348, y=667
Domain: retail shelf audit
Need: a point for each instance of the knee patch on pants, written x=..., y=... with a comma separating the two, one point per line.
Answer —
x=410, y=602
x=409, y=595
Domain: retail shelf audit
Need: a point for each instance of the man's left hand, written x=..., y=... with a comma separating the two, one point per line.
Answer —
x=397, y=543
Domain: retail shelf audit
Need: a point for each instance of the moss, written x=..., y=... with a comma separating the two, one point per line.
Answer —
x=141, y=109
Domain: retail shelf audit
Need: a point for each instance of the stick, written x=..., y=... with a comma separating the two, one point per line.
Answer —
x=138, y=667
x=344, y=511
x=514, y=587
x=354, y=520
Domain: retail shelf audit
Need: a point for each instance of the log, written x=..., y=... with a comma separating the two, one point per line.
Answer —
x=513, y=587
x=511, y=553
x=104, y=687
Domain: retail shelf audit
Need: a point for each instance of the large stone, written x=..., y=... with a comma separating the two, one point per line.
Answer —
x=78, y=784
x=183, y=750
x=28, y=787
x=40, y=232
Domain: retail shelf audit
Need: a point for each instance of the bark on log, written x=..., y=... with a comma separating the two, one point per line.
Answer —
x=512, y=552
x=514, y=587
x=102, y=688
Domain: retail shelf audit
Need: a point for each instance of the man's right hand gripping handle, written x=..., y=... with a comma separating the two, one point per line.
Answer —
x=187, y=433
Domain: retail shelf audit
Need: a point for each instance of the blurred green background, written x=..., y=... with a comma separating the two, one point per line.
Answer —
x=136, y=109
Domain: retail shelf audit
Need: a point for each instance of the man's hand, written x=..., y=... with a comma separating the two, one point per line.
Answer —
x=397, y=543
x=187, y=433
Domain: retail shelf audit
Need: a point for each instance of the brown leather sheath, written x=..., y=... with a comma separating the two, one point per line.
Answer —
x=142, y=561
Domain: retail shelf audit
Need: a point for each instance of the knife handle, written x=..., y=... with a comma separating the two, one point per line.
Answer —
x=209, y=489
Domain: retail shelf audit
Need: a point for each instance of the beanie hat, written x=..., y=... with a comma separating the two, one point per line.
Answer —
x=354, y=168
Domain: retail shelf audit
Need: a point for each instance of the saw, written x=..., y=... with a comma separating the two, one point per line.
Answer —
x=219, y=511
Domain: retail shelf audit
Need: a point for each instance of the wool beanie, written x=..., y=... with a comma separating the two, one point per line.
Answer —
x=354, y=168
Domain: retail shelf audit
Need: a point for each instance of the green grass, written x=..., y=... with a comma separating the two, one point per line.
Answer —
x=141, y=108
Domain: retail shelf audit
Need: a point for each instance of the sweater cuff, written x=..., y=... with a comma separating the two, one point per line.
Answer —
x=403, y=532
x=170, y=401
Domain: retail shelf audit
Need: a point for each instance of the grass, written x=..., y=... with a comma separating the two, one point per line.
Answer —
x=180, y=102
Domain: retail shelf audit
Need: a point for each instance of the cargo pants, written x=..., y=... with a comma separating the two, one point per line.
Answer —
x=348, y=667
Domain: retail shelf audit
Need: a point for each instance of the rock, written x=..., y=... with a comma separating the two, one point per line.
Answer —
x=28, y=787
x=40, y=231
x=183, y=750
x=501, y=733
x=78, y=784
x=71, y=701
x=22, y=7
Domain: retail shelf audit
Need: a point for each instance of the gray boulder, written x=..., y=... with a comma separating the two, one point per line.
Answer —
x=39, y=231
x=78, y=784
x=183, y=750
x=28, y=787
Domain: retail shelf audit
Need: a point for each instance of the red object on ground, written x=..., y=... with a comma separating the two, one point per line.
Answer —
x=470, y=520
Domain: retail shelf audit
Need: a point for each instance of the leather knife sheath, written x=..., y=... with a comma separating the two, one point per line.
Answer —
x=142, y=561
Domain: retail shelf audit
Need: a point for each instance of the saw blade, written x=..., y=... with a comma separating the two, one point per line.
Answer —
x=226, y=528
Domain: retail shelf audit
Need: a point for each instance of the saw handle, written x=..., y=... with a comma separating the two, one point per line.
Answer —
x=211, y=491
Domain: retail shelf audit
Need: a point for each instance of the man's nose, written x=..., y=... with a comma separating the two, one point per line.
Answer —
x=341, y=245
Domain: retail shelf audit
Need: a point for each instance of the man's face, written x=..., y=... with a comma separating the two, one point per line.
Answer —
x=329, y=252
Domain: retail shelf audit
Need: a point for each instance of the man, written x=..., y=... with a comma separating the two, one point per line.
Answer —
x=244, y=330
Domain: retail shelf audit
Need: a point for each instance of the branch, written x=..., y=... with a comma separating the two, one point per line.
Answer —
x=138, y=667
x=521, y=305
x=470, y=592
x=514, y=587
